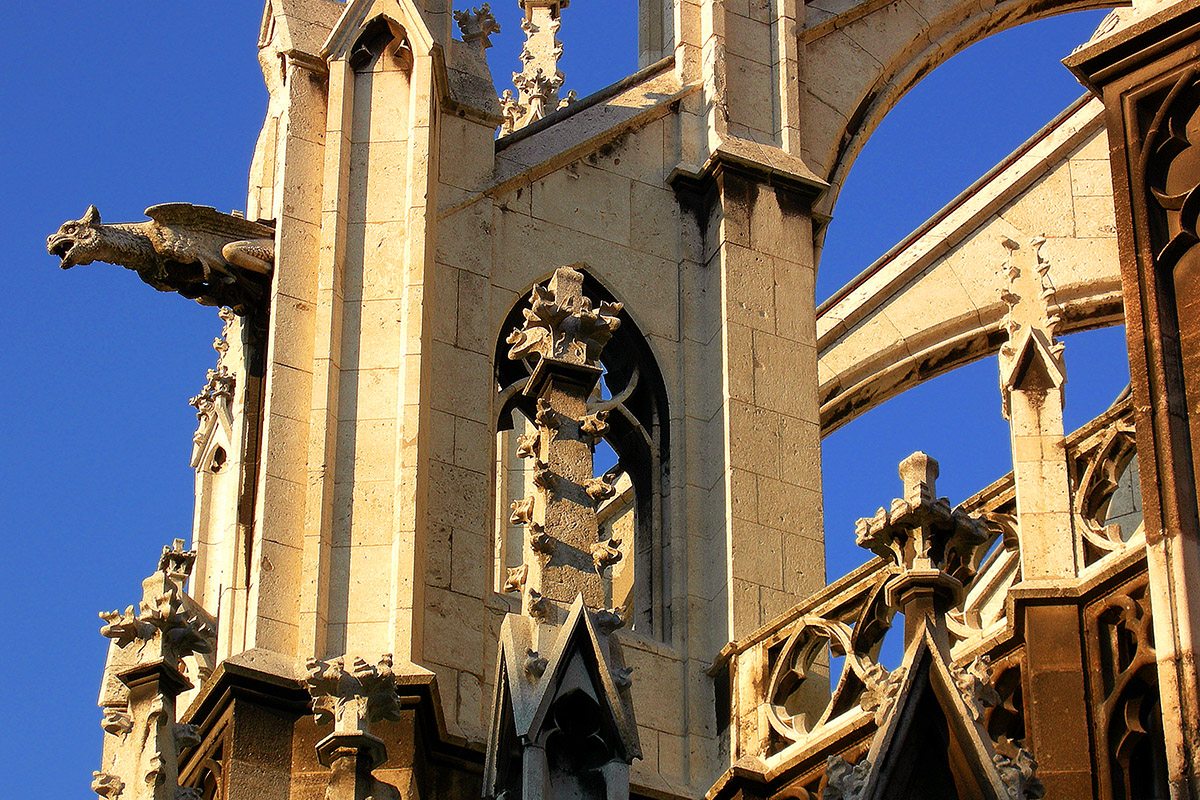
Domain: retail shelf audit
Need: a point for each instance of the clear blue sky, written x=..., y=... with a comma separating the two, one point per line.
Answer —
x=134, y=103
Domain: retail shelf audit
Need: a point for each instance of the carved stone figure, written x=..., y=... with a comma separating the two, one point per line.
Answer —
x=203, y=254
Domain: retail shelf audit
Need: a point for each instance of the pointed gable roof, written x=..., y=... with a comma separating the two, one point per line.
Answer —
x=931, y=742
x=578, y=644
x=528, y=684
x=1032, y=349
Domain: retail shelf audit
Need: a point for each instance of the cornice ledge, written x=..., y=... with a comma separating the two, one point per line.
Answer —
x=1120, y=52
x=765, y=163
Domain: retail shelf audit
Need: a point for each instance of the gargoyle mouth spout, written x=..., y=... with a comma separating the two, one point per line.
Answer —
x=61, y=246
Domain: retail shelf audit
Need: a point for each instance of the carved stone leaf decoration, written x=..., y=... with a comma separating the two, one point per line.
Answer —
x=843, y=780
x=477, y=25
x=323, y=682
x=184, y=630
x=108, y=786
x=535, y=665
x=186, y=736
x=546, y=416
x=526, y=445
x=123, y=628
x=540, y=541
x=175, y=560
x=1017, y=769
x=598, y=490
x=219, y=386
x=882, y=688
x=116, y=722
x=539, y=607
x=369, y=690
x=606, y=554
x=609, y=620
x=522, y=511
x=594, y=427
x=974, y=682
x=571, y=332
x=515, y=580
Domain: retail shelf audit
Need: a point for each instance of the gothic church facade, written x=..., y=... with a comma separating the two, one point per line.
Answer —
x=411, y=577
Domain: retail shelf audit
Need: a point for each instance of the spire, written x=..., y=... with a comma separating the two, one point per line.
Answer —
x=563, y=553
x=144, y=675
x=1032, y=375
x=563, y=723
x=930, y=740
x=539, y=80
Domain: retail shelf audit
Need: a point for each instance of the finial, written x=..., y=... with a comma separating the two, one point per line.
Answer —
x=564, y=556
x=477, y=25
x=539, y=80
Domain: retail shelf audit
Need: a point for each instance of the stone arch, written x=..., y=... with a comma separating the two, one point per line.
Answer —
x=881, y=53
x=635, y=398
x=932, y=303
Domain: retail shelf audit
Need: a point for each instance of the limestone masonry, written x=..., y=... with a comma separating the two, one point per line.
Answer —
x=409, y=576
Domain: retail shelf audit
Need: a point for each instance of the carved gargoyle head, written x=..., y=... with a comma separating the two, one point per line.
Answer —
x=77, y=240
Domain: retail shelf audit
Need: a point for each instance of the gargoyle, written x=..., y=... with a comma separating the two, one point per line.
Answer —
x=214, y=258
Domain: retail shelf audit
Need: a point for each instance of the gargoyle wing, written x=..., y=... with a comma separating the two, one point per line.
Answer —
x=206, y=219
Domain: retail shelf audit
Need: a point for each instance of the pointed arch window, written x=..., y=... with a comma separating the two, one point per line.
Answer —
x=381, y=36
x=633, y=457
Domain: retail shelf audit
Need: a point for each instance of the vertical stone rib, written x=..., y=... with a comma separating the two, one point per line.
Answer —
x=409, y=526
x=322, y=444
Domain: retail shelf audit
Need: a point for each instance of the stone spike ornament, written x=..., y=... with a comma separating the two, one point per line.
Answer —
x=1032, y=378
x=1032, y=319
x=539, y=80
x=931, y=547
x=565, y=334
x=930, y=542
x=352, y=693
x=143, y=675
x=563, y=691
